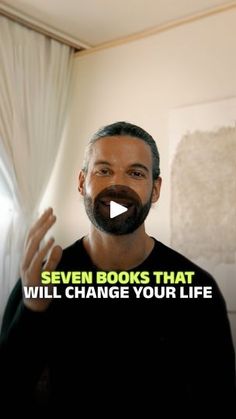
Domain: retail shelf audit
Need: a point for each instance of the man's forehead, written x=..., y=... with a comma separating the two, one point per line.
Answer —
x=123, y=145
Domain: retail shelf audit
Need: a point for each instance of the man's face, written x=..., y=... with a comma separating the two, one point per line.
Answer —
x=119, y=169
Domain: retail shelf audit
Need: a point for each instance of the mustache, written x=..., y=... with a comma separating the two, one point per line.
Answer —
x=98, y=209
x=118, y=192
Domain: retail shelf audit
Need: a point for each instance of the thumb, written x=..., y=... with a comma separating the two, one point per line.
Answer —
x=54, y=259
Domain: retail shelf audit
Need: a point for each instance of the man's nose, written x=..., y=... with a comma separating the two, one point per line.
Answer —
x=119, y=178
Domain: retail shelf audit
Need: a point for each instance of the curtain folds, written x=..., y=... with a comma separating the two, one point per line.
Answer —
x=35, y=85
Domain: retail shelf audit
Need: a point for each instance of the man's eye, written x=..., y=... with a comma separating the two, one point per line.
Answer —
x=103, y=172
x=137, y=174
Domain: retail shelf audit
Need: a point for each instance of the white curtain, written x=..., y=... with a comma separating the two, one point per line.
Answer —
x=35, y=82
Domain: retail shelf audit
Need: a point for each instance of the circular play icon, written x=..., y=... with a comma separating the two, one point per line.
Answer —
x=117, y=210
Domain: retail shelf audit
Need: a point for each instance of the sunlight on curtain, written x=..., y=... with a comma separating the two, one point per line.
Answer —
x=6, y=214
x=35, y=85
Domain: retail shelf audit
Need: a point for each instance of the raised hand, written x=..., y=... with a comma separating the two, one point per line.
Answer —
x=33, y=261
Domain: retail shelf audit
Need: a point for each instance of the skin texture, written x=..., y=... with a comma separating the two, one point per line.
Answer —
x=113, y=161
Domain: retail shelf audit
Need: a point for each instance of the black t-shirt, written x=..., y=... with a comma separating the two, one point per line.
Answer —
x=121, y=356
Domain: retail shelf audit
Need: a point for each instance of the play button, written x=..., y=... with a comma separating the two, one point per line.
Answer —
x=116, y=209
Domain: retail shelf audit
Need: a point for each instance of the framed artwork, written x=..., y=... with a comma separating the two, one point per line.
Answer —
x=202, y=149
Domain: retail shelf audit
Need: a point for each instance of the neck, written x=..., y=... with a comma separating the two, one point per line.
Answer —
x=110, y=252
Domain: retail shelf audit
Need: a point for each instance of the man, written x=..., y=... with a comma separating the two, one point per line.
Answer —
x=130, y=342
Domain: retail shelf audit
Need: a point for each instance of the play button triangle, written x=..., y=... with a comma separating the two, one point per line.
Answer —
x=116, y=209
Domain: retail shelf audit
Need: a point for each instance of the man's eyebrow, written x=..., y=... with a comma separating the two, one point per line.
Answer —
x=133, y=165
x=140, y=166
x=97, y=162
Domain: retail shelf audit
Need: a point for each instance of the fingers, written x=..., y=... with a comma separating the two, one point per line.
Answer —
x=54, y=259
x=35, y=255
x=39, y=257
x=39, y=223
x=36, y=234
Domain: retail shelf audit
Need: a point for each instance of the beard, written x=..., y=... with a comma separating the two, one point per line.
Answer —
x=98, y=210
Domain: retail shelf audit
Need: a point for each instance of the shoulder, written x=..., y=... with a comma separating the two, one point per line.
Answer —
x=71, y=256
x=176, y=261
x=171, y=260
x=174, y=258
x=73, y=248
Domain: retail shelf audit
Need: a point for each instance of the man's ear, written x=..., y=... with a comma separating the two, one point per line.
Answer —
x=156, y=189
x=81, y=181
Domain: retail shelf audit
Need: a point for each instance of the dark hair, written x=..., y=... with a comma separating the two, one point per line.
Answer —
x=125, y=128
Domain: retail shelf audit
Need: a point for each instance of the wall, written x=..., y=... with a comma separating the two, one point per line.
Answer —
x=142, y=82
